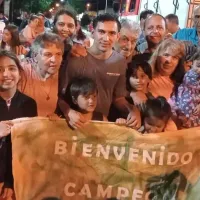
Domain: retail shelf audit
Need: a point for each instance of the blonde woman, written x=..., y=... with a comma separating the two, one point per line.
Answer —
x=168, y=68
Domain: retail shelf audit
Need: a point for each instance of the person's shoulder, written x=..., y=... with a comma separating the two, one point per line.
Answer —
x=25, y=99
x=184, y=31
x=76, y=62
x=118, y=56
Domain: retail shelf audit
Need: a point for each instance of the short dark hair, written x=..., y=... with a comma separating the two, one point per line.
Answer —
x=105, y=18
x=155, y=15
x=145, y=13
x=82, y=86
x=173, y=18
x=132, y=69
x=85, y=20
x=65, y=12
x=79, y=86
x=158, y=107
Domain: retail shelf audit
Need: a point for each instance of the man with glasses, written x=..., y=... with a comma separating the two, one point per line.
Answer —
x=129, y=34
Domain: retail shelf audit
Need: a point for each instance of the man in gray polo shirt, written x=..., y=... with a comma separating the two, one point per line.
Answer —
x=107, y=68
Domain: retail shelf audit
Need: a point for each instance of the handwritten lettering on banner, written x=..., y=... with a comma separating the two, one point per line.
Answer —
x=103, y=160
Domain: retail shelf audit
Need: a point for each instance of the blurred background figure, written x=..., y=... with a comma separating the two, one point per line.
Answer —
x=172, y=23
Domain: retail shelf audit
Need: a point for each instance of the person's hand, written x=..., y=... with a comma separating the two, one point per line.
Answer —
x=53, y=117
x=134, y=119
x=138, y=97
x=78, y=50
x=1, y=188
x=7, y=194
x=5, y=128
x=21, y=50
x=121, y=121
x=197, y=110
x=76, y=119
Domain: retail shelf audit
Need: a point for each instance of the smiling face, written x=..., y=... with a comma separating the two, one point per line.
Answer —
x=167, y=63
x=6, y=36
x=105, y=35
x=142, y=80
x=127, y=42
x=87, y=103
x=9, y=74
x=65, y=26
x=154, y=125
x=155, y=29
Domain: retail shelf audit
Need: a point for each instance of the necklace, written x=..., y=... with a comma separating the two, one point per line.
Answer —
x=47, y=92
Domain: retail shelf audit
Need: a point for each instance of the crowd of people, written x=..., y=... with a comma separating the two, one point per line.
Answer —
x=144, y=76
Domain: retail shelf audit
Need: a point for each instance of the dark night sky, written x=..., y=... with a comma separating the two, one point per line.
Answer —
x=101, y=4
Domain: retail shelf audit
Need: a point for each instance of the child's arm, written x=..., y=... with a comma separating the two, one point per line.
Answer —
x=53, y=117
x=105, y=119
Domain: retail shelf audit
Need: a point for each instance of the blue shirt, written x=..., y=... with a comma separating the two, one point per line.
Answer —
x=187, y=34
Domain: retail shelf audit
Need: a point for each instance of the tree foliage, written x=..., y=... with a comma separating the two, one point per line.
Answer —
x=34, y=6
x=78, y=5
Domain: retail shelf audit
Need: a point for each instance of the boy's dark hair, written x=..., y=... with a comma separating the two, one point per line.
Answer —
x=79, y=86
x=155, y=15
x=145, y=13
x=173, y=18
x=132, y=69
x=158, y=107
x=65, y=12
x=105, y=18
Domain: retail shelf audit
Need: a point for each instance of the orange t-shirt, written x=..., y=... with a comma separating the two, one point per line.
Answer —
x=44, y=92
x=161, y=86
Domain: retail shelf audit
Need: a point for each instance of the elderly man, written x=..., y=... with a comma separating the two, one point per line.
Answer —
x=129, y=34
x=191, y=34
x=41, y=72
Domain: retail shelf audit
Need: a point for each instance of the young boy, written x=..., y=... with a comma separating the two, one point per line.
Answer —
x=82, y=92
